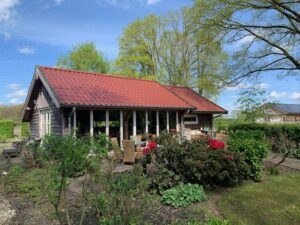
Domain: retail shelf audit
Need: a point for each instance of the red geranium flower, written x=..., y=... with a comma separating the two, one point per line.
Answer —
x=215, y=144
x=146, y=150
x=152, y=145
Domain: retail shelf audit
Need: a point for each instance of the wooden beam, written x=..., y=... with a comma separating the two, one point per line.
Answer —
x=177, y=122
x=107, y=123
x=182, y=125
x=168, y=122
x=157, y=123
x=92, y=123
x=134, y=123
x=74, y=121
x=121, y=127
x=146, y=118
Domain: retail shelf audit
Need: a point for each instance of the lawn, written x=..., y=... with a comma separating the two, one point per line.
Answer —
x=273, y=201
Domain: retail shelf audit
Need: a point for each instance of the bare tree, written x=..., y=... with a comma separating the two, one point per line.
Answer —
x=262, y=35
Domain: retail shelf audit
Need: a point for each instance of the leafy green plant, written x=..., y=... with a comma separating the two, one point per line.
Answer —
x=25, y=132
x=6, y=130
x=122, y=198
x=295, y=153
x=183, y=195
x=15, y=170
x=164, y=179
x=273, y=170
x=253, y=146
x=214, y=167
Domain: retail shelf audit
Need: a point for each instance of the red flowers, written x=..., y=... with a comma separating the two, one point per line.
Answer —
x=151, y=145
x=146, y=150
x=215, y=144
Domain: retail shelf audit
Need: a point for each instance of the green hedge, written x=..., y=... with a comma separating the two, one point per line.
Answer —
x=6, y=130
x=292, y=131
x=25, y=132
x=276, y=134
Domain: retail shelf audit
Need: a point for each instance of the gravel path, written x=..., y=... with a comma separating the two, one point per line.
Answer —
x=6, y=212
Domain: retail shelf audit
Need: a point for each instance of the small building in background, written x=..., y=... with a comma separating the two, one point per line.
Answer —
x=282, y=113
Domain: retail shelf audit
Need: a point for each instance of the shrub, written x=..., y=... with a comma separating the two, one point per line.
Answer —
x=164, y=179
x=295, y=153
x=25, y=130
x=273, y=133
x=184, y=195
x=197, y=163
x=121, y=199
x=253, y=146
x=6, y=130
x=215, y=167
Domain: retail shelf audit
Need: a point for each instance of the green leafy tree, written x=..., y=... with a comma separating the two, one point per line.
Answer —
x=261, y=35
x=253, y=103
x=171, y=50
x=84, y=57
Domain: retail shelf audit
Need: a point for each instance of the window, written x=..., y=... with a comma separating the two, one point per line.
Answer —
x=190, y=119
x=45, y=123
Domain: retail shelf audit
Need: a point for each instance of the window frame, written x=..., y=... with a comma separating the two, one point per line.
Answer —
x=191, y=116
x=45, y=124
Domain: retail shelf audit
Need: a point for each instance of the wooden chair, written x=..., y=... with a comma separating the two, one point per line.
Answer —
x=129, y=151
x=117, y=154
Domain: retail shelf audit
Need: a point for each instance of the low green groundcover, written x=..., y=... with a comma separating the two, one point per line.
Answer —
x=274, y=201
x=183, y=195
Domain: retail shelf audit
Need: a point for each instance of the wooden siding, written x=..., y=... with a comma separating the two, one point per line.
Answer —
x=204, y=120
x=45, y=103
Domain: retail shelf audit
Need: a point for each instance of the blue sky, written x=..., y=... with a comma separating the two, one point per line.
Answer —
x=37, y=32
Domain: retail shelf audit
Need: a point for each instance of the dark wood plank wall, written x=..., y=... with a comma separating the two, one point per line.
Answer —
x=44, y=102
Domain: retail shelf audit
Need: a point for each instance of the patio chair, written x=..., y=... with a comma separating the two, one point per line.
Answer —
x=129, y=151
x=116, y=153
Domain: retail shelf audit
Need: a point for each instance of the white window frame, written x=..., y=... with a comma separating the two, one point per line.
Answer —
x=45, y=123
x=191, y=116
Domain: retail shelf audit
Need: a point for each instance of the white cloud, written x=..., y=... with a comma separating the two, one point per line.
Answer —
x=17, y=93
x=263, y=85
x=15, y=101
x=237, y=87
x=58, y=2
x=26, y=50
x=276, y=95
x=152, y=2
x=7, y=9
x=6, y=35
x=295, y=96
x=14, y=86
x=245, y=40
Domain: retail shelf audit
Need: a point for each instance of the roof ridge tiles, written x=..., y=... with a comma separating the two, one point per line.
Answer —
x=96, y=74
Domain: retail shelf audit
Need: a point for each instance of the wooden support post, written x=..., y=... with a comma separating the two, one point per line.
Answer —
x=134, y=123
x=177, y=122
x=92, y=123
x=157, y=123
x=146, y=118
x=107, y=123
x=168, y=122
x=182, y=125
x=74, y=122
x=121, y=127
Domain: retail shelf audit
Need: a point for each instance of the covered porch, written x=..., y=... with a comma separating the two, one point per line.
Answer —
x=122, y=124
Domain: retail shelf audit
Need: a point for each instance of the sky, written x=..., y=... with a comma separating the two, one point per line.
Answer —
x=37, y=32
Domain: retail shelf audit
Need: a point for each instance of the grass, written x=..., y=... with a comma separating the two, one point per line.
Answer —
x=274, y=201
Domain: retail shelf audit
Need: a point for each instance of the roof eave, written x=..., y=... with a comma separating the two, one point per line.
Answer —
x=63, y=105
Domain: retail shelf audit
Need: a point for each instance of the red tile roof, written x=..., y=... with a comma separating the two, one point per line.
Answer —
x=202, y=104
x=91, y=89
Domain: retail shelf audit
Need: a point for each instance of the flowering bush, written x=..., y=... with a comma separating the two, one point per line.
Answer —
x=215, y=144
x=151, y=145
